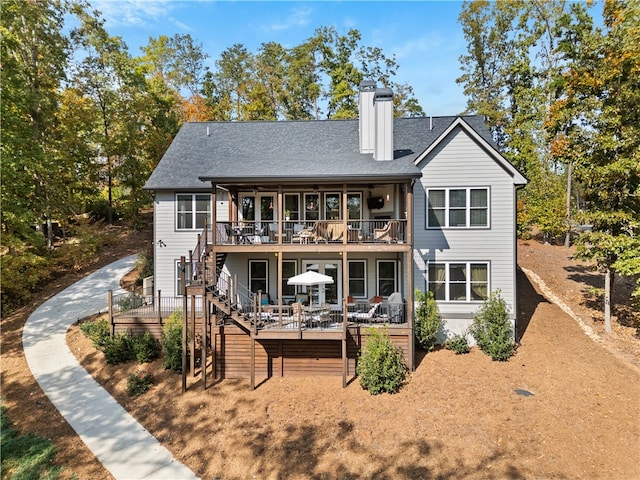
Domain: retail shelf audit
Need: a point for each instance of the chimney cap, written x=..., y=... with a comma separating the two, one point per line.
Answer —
x=383, y=95
x=367, y=85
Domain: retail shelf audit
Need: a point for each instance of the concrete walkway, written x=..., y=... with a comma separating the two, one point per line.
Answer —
x=123, y=446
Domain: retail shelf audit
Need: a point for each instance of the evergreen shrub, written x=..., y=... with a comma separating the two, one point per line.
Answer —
x=428, y=321
x=492, y=329
x=381, y=366
x=172, y=342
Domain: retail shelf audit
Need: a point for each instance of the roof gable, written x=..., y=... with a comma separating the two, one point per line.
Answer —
x=483, y=140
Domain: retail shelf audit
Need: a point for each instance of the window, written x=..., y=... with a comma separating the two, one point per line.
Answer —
x=249, y=208
x=354, y=207
x=458, y=281
x=193, y=211
x=457, y=207
x=386, y=277
x=332, y=210
x=187, y=275
x=292, y=204
x=289, y=269
x=311, y=206
x=258, y=275
x=358, y=278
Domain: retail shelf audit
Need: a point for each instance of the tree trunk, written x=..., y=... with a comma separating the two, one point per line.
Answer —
x=567, y=239
x=607, y=300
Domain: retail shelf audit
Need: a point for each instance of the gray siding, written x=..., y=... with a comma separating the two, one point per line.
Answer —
x=459, y=161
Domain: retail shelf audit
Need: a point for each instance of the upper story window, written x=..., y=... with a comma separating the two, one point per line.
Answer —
x=193, y=210
x=457, y=207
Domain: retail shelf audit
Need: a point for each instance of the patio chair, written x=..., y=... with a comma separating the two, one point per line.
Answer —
x=319, y=232
x=364, y=316
x=396, y=307
x=389, y=233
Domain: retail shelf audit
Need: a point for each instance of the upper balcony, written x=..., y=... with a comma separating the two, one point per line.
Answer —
x=306, y=232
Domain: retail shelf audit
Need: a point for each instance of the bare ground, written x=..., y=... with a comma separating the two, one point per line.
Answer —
x=458, y=417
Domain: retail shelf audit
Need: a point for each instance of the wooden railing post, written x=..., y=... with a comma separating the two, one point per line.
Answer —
x=110, y=301
x=184, y=323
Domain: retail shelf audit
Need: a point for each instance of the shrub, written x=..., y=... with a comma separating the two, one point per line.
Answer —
x=172, y=342
x=458, y=343
x=119, y=349
x=381, y=366
x=144, y=264
x=145, y=347
x=139, y=383
x=492, y=329
x=428, y=320
x=97, y=331
x=122, y=347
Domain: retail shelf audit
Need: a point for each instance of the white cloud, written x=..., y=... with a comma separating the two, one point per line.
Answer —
x=133, y=13
x=299, y=17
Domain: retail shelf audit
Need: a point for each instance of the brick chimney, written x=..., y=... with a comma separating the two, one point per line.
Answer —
x=383, y=113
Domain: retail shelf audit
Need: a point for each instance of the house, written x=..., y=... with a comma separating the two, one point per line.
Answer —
x=380, y=205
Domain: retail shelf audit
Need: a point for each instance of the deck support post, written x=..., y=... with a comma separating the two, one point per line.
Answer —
x=203, y=347
x=184, y=323
x=344, y=359
x=253, y=363
x=192, y=343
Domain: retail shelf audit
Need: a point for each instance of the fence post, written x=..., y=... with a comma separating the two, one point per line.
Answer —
x=110, y=301
x=184, y=323
x=159, y=308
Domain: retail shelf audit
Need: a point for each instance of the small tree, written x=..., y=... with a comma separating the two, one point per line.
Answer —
x=172, y=342
x=428, y=320
x=492, y=329
x=381, y=366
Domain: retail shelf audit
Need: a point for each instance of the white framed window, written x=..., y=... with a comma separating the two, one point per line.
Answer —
x=386, y=277
x=311, y=206
x=458, y=207
x=458, y=281
x=358, y=278
x=289, y=269
x=258, y=276
x=192, y=211
x=187, y=275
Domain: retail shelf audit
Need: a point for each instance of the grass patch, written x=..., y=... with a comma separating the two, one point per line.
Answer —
x=25, y=457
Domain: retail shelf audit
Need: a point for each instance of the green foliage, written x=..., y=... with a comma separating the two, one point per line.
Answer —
x=146, y=348
x=144, y=264
x=24, y=272
x=458, y=343
x=492, y=329
x=381, y=366
x=172, y=342
x=139, y=382
x=98, y=331
x=428, y=320
x=25, y=457
x=130, y=302
x=121, y=347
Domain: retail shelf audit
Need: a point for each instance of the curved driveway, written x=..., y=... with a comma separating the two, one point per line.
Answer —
x=123, y=446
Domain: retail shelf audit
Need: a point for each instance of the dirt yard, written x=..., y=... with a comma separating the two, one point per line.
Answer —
x=458, y=417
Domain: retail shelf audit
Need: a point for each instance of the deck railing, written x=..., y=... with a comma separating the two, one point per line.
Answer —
x=303, y=232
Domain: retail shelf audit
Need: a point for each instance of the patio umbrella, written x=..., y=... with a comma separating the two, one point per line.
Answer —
x=309, y=279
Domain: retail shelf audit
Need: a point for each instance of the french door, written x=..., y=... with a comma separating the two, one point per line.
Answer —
x=331, y=292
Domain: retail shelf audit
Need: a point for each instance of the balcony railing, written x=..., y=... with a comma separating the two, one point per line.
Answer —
x=304, y=232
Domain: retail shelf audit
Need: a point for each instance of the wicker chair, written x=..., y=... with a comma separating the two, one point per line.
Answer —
x=387, y=234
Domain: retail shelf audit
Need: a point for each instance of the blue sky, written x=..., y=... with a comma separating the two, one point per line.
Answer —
x=424, y=35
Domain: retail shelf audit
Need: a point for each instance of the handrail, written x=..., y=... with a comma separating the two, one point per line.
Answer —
x=289, y=231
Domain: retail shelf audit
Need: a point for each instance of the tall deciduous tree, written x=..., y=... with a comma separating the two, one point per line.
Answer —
x=34, y=55
x=603, y=98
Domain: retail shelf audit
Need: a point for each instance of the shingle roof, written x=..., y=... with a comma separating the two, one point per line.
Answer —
x=291, y=151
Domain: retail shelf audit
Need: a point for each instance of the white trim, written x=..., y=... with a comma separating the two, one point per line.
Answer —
x=447, y=208
x=395, y=275
x=447, y=280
